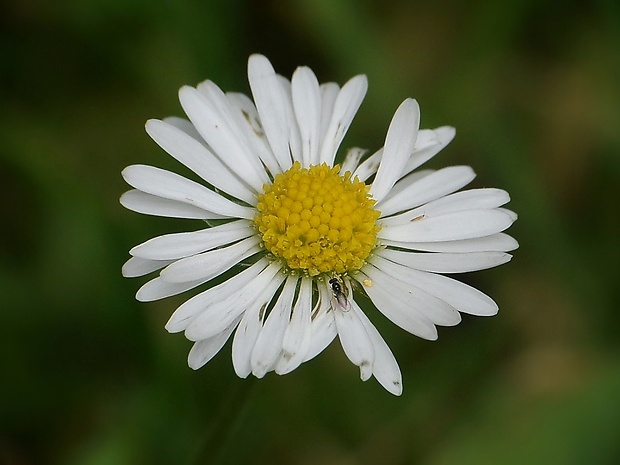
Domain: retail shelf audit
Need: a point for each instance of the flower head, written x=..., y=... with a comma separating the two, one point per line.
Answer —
x=303, y=237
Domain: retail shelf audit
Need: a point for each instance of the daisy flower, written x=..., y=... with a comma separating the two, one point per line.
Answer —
x=291, y=241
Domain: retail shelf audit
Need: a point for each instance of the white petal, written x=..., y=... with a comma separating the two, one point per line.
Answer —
x=203, y=351
x=426, y=146
x=210, y=112
x=183, y=315
x=216, y=317
x=238, y=123
x=307, y=105
x=394, y=280
x=429, y=146
x=438, y=184
x=180, y=245
x=268, y=345
x=355, y=340
x=404, y=306
x=351, y=160
x=494, y=243
x=399, y=144
x=345, y=107
x=250, y=327
x=449, y=227
x=207, y=265
x=473, y=199
x=254, y=130
x=323, y=328
x=244, y=340
x=137, y=266
x=446, y=262
x=197, y=158
x=157, y=289
x=271, y=104
x=464, y=298
x=428, y=143
x=148, y=204
x=329, y=94
x=369, y=166
x=296, y=340
x=510, y=213
x=231, y=125
x=168, y=185
x=186, y=126
x=385, y=368
x=410, y=179
x=426, y=138
x=294, y=137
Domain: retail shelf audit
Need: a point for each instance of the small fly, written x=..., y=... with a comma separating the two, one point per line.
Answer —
x=339, y=291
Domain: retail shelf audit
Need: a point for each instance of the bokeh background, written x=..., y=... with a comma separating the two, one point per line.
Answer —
x=88, y=376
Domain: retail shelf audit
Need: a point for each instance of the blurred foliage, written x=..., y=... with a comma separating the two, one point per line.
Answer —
x=90, y=377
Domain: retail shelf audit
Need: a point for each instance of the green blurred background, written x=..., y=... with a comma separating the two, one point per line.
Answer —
x=89, y=376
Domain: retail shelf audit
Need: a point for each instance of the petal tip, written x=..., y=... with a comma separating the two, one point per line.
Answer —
x=395, y=388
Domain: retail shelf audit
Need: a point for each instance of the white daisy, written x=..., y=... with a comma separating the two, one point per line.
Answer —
x=304, y=238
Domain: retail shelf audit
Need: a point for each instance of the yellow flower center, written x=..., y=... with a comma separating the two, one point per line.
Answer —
x=317, y=221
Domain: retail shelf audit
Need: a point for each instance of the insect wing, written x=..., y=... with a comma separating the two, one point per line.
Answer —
x=339, y=298
x=342, y=302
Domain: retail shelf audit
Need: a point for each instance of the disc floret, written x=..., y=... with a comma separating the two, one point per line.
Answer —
x=317, y=221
